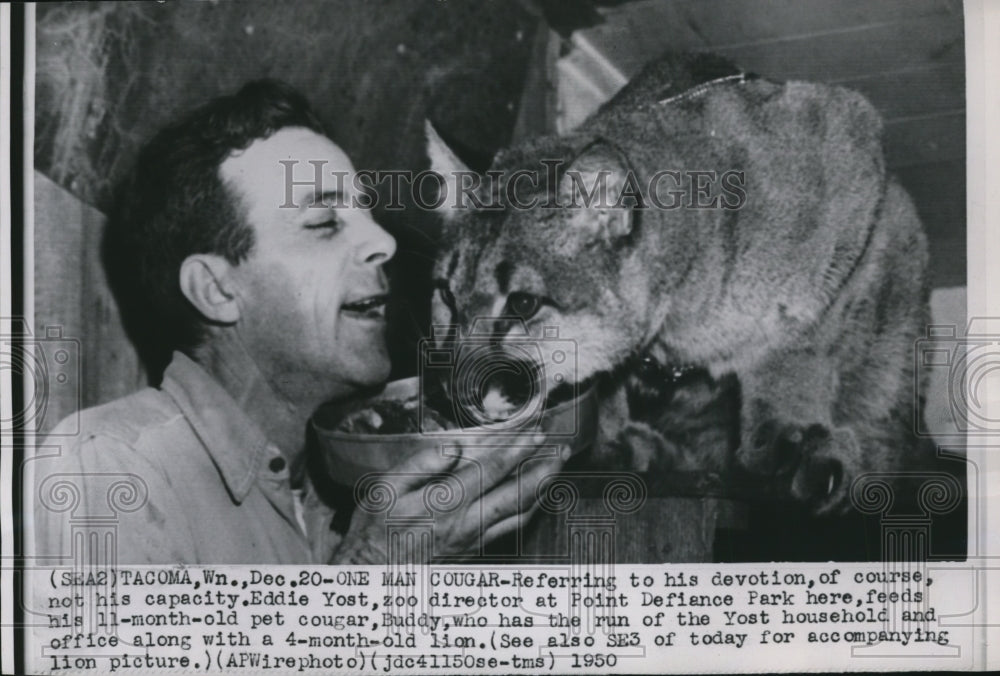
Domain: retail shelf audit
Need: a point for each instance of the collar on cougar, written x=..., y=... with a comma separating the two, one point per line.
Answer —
x=698, y=90
x=667, y=374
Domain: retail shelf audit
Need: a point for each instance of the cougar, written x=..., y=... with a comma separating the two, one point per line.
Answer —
x=711, y=241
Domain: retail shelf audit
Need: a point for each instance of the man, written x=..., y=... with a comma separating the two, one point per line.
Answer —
x=268, y=307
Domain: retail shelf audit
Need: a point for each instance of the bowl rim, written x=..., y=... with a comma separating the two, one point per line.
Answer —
x=583, y=394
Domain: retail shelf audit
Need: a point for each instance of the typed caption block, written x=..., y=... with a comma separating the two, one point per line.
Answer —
x=479, y=619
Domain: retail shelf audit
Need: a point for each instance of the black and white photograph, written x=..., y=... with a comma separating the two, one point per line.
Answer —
x=667, y=313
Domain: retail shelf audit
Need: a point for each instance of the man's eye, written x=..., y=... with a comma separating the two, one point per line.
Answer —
x=329, y=228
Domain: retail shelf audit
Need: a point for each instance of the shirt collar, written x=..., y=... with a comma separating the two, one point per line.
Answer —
x=235, y=443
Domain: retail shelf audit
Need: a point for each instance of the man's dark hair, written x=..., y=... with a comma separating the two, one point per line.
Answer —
x=174, y=204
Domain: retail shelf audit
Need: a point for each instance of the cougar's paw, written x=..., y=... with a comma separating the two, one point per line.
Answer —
x=638, y=447
x=826, y=470
x=810, y=458
x=774, y=448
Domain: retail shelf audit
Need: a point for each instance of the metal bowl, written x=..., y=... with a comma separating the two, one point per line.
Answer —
x=348, y=456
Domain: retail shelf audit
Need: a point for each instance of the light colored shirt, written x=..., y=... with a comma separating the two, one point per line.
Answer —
x=177, y=474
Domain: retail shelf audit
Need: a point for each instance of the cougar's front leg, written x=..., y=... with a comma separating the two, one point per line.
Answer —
x=787, y=430
x=625, y=444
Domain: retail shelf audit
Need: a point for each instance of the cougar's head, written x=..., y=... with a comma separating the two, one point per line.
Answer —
x=540, y=257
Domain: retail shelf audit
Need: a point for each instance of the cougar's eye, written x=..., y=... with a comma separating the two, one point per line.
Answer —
x=523, y=305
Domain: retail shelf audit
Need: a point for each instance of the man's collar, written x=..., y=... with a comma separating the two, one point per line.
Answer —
x=236, y=444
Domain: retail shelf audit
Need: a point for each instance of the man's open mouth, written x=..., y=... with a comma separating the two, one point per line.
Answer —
x=369, y=307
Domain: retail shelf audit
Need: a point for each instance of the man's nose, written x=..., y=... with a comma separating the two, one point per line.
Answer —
x=378, y=245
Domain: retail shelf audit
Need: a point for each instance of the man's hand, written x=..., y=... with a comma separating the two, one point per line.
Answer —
x=478, y=491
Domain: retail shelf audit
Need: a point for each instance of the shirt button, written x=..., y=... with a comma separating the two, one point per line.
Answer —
x=276, y=464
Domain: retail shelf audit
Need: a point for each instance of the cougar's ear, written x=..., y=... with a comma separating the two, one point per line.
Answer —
x=445, y=162
x=600, y=190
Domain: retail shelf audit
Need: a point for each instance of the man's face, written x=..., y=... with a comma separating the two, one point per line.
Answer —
x=312, y=291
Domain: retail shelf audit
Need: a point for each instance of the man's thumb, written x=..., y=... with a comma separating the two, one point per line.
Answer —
x=410, y=473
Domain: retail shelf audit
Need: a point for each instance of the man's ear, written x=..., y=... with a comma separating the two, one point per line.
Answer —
x=206, y=281
x=445, y=162
x=600, y=191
